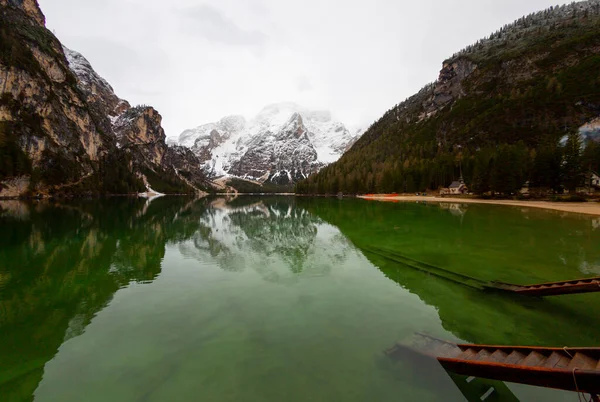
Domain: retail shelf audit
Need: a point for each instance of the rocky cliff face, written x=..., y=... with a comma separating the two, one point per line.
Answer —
x=47, y=126
x=98, y=91
x=30, y=7
x=449, y=86
x=139, y=132
x=62, y=128
x=284, y=143
x=186, y=166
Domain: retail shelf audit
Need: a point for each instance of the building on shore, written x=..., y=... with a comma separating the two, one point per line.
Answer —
x=456, y=188
x=591, y=184
x=594, y=180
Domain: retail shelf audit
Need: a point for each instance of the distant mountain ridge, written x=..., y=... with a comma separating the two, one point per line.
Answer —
x=284, y=143
x=499, y=115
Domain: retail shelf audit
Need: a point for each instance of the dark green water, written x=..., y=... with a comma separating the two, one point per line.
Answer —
x=274, y=299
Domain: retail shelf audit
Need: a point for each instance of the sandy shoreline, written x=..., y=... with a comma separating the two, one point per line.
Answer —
x=588, y=208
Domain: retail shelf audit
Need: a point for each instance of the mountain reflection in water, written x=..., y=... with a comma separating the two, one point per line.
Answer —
x=250, y=234
x=163, y=292
x=60, y=264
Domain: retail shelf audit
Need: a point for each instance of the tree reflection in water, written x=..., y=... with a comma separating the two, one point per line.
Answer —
x=290, y=284
x=60, y=264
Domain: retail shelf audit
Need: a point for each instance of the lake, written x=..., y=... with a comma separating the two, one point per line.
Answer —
x=275, y=299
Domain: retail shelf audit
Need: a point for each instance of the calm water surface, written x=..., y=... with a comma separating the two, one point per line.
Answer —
x=275, y=299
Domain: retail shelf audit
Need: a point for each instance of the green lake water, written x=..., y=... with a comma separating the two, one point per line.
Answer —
x=276, y=299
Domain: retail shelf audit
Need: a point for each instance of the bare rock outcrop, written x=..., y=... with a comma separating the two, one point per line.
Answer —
x=62, y=127
x=30, y=7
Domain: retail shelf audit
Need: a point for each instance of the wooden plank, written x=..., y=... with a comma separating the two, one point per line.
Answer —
x=448, y=350
x=468, y=354
x=553, y=359
x=593, y=352
x=484, y=355
x=514, y=358
x=586, y=285
x=546, y=367
x=563, y=363
x=499, y=356
x=534, y=359
x=583, y=362
x=587, y=381
x=574, y=281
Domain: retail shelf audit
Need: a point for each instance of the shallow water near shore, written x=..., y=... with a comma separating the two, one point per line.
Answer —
x=270, y=299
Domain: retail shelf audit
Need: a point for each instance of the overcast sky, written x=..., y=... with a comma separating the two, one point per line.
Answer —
x=196, y=61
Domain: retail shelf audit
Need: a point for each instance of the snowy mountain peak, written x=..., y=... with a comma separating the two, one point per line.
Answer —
x=84, y=71
x=212, y=133
x=284, y=143
x=233, y=123
x=97, y=88
x=295, y=126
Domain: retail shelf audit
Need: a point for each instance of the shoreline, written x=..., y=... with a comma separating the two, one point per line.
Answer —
x=586, y=208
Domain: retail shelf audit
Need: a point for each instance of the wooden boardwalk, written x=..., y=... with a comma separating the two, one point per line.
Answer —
x=571, y=369
x=587, y=285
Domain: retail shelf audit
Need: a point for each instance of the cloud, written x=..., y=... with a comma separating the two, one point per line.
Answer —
x=131, y=70
x=199, y=60
x=213, y=26
x=304, y=84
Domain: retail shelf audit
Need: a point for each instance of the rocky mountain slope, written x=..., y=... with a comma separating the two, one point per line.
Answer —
x=62, y=128
x=284, y=143
x=499, y=114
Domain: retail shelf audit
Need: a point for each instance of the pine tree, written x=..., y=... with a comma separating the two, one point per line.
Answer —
x=481, y=174
x=572, y=162
x=591, y=157
x=546, y=171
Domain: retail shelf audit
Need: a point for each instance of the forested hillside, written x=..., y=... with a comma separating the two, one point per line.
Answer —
x=517, y=106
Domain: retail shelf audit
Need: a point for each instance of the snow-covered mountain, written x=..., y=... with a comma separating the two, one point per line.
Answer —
x=284, y=143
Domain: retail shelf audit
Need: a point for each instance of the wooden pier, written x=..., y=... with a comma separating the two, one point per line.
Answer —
x=587, y=285
x=571, y=369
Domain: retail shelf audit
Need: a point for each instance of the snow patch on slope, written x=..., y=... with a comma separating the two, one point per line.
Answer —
x=84, y=71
